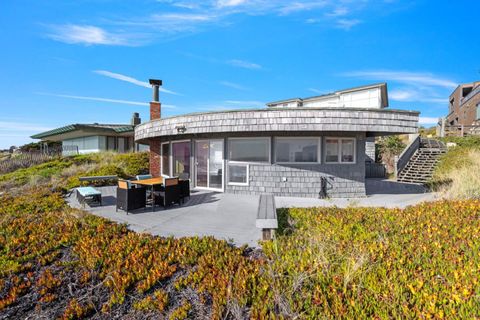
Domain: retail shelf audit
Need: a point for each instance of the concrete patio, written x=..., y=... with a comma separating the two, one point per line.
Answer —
x=232, y=217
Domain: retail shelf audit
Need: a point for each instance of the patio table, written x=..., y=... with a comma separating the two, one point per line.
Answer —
x=150, y=183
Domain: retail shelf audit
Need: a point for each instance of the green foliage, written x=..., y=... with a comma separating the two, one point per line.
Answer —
x=421, y=262
x=387, y=148
x=63, y=173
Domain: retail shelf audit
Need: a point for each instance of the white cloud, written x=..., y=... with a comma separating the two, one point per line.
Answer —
x=244, y=64
x=109, y=100
x=232, y=85
x=338, y=12
x=419, y=78
x=298, y=6
x=408, y=95
x=21, y=126
x=246, y=103
x=88, y=35
x=177, y=18
x=129, y=79
x=230, y=3
x=427, y=120
x=347, y=24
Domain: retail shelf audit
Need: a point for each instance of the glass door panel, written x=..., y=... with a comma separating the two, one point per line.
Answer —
x=201, y=162
x=209, y=164
x=215, y=170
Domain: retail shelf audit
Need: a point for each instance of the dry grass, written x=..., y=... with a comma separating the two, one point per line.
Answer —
x=464, y=180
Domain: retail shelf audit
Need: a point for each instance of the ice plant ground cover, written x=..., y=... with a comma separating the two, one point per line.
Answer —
x=422, y=261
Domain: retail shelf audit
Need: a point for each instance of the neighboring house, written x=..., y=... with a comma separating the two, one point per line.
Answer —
x=90, y=138
x=296, y=147
x=464, y=106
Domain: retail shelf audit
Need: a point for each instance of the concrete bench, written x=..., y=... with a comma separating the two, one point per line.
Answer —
x=267, y=216
x=88, y=195
x=98, y=178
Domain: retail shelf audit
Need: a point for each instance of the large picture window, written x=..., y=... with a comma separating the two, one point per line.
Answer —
x=249, y=149
x=339, y=150
x=165, y=159
x=181, y=159
x=297, y=150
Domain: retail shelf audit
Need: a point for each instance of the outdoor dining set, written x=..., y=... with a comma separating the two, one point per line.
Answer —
x=142, y=192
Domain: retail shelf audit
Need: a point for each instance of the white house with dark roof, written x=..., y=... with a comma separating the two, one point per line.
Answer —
x=95, y=137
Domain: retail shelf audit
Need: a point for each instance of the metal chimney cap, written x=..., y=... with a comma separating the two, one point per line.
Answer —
x=155, y=82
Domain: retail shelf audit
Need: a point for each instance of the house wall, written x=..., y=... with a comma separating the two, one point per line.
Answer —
x=344, y=180
x=371, y=98
x=370, y=149
x=94, y=144
x=90, y=144
x=463, y=108
x=304, y=180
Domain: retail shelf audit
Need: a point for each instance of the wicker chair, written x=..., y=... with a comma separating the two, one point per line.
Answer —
x=129, y=198
x=169, y=193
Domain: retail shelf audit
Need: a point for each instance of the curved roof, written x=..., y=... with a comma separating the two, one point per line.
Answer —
x=282, y=120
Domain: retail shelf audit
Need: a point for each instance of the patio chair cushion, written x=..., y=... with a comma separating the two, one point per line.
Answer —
x=88, y=191
x=124, y=184
x=143, y=176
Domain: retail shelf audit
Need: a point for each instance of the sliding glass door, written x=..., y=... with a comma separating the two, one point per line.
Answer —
x=209, y=164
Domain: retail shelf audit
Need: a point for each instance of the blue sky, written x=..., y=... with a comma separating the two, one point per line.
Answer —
x=89, y=61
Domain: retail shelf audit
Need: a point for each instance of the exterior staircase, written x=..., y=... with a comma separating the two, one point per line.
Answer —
x=421, y=165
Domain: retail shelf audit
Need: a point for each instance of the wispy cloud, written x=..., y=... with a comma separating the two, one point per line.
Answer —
x=420, y=78
x=177, y=18
x=427, y=120
x=129, y=79
x=246, y=103
x=90, y=35
x=244, y=64
x=232, y=85
x=21, y=126
x=408, y=95
x=347, y=24
x=101, y=99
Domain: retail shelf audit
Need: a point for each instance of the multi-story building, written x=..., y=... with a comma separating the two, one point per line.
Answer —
x=464, y=106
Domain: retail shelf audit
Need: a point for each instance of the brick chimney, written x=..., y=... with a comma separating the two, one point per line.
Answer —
x=155, y=113
x=155, y=105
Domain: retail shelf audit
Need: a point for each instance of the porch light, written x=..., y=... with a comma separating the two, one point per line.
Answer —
x=181, y=129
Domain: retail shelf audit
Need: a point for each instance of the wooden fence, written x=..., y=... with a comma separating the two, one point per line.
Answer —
x=462, y=131
x=26, y=159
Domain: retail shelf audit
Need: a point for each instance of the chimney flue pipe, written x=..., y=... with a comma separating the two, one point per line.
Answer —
x=156, y=88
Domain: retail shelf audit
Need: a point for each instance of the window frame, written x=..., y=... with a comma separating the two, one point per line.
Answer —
x=339, y=156
x=171, y=155
x=319, y=150
x=238, y=163
x=268, y=139
x=169, y=159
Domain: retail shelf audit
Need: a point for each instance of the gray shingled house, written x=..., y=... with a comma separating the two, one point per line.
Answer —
x=297, y=147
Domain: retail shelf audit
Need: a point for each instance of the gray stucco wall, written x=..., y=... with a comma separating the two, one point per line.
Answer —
x=304, y=180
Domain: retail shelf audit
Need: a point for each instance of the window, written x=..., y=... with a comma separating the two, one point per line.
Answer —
x=296, y=150
x=111, y=143
x=478, y=112
x=340, y=150
x=181, y=158
x=238, y=174
x=249, y=149
x=165, y=159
